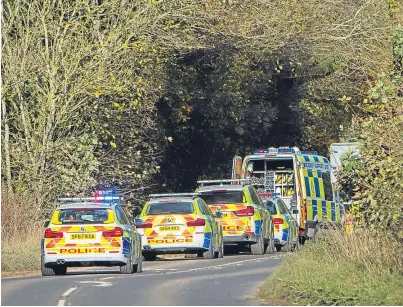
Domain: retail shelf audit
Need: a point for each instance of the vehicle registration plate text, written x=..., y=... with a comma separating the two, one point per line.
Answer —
x=83, y=236
x=169, y=228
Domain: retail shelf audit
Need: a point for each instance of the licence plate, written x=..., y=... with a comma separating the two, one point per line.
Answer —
x=169, y=228
x=83, y=236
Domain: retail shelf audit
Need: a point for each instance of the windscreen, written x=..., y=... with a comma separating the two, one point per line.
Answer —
x=83, y=215
x=170, y=208
x=226, y=197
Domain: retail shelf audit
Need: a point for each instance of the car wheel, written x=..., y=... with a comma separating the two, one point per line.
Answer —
x=150, y=256
x=46, y=271
x=271, y=247
x=138, y=268
x=209, y=254
x=278, y=248
x=128, y=267
x=258, y=248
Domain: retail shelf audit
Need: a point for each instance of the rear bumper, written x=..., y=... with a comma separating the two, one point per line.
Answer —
x=244, y=238
x=179, y=244
x=85, y=260
x=172, y=250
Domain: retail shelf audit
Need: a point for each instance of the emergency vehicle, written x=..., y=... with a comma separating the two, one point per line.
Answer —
x=90, y=231
x=302, y=179
x=285, y=225
x=240, y=211
x=179, y=223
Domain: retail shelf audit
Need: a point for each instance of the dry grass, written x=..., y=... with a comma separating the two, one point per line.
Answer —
x=21, y=235
x=365, y=268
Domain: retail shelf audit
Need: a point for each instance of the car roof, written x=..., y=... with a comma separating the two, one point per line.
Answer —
x=87, y=205
x=173, y=199
x=229, y=187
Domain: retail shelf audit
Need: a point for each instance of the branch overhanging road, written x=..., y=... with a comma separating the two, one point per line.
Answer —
x=233, y=280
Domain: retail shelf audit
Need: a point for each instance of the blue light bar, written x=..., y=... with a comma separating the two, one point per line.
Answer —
x=280, y=150
x=310, y=152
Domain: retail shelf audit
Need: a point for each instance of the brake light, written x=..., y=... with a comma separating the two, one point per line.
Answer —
x=197, y=222
x=145, y=225
x=249, y=211
x=49, y=234
x=116, y=232
x=278, y=221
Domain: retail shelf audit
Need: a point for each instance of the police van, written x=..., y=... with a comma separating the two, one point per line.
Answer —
x=302, y=179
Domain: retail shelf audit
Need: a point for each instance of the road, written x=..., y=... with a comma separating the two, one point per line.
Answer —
x=233, y=280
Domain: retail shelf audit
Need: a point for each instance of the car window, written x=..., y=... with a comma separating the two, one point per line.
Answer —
x=282, y=207
x=271, y=206
x=170, y=208
x=327, y=185
x=255, y=197
x=206, y=208
x=82, y=215
x=222, y=197
x=120, y=216
x=124, y=215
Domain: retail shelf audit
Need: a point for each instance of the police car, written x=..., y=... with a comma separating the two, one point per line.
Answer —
x=246, y=222
x=179, y=223
x=285, y=223
x=90, y=231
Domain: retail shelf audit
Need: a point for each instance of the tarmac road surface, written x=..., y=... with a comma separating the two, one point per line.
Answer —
x=233, y=280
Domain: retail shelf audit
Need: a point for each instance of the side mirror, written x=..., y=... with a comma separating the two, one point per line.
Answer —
x=218, y=214
x=46, y=223
x=295, y=211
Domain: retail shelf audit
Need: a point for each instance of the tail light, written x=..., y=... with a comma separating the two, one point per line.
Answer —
x=53, y=234
x=249, y=211
x=198, y=222
x=145, y=225
x=278, y=221
x=116, y=232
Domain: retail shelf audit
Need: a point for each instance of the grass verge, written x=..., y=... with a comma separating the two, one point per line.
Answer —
x=21, y=233
x=364, y=268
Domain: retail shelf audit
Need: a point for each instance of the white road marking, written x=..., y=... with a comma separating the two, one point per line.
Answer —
x=61, y=302
x=68, y=291
x=100, y=283
x=108, y=278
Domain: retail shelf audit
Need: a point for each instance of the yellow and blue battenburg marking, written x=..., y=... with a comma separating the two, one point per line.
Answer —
x=313, y=167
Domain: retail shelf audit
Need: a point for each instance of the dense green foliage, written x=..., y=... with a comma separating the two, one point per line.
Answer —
x=152, y=95
x=374, y=179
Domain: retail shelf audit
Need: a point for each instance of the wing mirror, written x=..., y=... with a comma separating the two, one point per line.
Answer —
x=218, y=214
x=46, y=223
x=295, y=211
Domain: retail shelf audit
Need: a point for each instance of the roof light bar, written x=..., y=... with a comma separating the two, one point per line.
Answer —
x=221, y=181
x=310, y=152
x=273, y=150
x=96, y=198
x=172, y=195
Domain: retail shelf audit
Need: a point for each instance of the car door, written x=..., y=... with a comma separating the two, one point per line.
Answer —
x=289, y=219
x=208, y=215
x=264, y=214
x=125, y=223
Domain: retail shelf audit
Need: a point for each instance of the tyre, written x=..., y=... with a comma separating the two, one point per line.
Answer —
x=295, y=247
x=128, y=268
x=60, y=269
x=46, y=271
x=258, y=248
x=271, y=246
x=278, y=248
x=138, y=268
x=150, y=256
x=220, y=253
x=209, y=254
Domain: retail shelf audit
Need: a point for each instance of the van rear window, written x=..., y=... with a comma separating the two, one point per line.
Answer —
x=83, y=216
x=225, y=197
